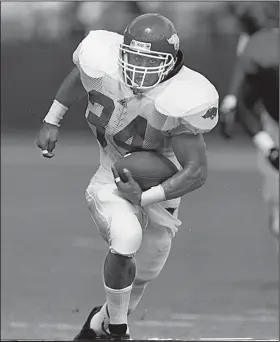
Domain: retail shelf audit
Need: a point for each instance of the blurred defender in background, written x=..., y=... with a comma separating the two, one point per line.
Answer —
x=253, y=98
x=260, y=86
x=251, y=17
x=140, y=97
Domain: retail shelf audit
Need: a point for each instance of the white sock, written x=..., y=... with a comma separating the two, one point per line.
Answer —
x=118, y=301
x=135, y=296
x=96, y=321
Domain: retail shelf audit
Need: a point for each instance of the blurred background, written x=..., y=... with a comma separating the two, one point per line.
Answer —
x=38, y=40
x=223, y=262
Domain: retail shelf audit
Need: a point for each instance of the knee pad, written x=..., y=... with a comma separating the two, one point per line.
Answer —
x=125, y=234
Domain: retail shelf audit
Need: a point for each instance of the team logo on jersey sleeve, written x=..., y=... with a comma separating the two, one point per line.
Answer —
x=211, y=113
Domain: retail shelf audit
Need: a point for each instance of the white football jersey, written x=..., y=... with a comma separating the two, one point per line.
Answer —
x=124, y=122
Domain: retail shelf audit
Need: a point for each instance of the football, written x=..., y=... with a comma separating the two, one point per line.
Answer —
x=147, y=168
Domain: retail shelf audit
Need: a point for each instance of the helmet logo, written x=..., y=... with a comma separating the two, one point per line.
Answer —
x=134, y=44
x=174, y=40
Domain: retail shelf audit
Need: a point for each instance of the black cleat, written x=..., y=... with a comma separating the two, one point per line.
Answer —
x=86, y=332
x=117, y=332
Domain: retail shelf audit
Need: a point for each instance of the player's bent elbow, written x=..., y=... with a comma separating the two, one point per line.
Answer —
x=194, y=180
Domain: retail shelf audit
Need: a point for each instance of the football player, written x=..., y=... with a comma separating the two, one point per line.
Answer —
x=260, y=85
x=140, y=97
x=251, y=19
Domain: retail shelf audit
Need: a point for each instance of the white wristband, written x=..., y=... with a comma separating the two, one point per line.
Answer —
x=55, y=113
x=264, y=142
x=153, y=195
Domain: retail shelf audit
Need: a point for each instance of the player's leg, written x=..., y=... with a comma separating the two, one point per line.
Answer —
x=120, y=268
x=271, y=195
x=150, y=260
x=118, y=222
x=274, y=218
x=271, y=176
x=154, y=251
x=270, y=191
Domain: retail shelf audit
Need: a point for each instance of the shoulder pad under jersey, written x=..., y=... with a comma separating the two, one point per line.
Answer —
x=98, y=53
x=189, y=96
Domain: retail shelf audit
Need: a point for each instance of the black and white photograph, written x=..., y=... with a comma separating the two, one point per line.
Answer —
x=140, y=170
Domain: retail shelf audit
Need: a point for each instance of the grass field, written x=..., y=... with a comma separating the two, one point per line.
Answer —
x=221, y=279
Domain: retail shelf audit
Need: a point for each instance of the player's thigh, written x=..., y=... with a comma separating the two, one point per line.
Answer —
x=274, y=218
x=153, y=252
x=118, y=221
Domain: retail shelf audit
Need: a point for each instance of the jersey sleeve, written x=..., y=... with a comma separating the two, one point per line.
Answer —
x=192, y=101
x=200, y=120
x=97, y=54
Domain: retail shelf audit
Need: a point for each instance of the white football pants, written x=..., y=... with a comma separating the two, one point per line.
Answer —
x=129, y=229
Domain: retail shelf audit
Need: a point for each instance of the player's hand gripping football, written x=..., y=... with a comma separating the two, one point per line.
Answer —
x=129, y=189
x=47, y=138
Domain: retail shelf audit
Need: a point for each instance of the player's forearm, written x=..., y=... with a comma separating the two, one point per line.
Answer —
x=192, y=177
x=238, y=74
x=247, y=99
x=251, y=119
x=252, y=123
x=68, y=93
x=236, y=80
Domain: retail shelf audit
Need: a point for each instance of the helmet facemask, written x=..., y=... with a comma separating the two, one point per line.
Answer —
x=140, y=77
